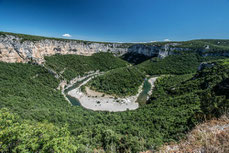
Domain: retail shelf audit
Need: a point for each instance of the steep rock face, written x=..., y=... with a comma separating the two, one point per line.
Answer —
x=15, y=49
x=205, y=65
x=154, y=50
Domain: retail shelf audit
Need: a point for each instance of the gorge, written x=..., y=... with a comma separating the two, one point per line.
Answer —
x=184, y=84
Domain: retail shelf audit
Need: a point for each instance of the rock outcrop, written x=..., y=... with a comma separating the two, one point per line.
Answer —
x=13, y=49
x=16, y=49
x=205, y=65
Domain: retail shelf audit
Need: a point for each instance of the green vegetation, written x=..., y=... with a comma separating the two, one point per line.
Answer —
x=215, y=45
x=28, y=136
x=176, y=105
x=25, y=37
x=203, y=85
x=126, y=81
x=37, y=117
x=226, y=62
x=142, y=98
x=134, y=58
x=202, y=46
x=34, y=38
x=118, y=82
x=75, y=65
x=27, y=88
x=175, y=64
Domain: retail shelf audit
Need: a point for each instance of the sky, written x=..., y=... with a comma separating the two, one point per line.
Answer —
x=118, y=20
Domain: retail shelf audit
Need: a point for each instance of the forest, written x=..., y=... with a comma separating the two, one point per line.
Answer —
x=119, y=82
x=78, y=65
x=181, y=99
x=126, y=81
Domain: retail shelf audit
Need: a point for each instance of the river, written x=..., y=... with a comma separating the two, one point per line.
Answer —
x=142, y=98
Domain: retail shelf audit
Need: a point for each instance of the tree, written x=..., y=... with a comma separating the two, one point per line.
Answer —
x=28, y=136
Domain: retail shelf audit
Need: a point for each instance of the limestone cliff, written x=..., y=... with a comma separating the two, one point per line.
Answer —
x=15, y=49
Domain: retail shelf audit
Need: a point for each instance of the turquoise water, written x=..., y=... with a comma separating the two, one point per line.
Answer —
x=142, y=98
x=75, y=85
x=74, y=101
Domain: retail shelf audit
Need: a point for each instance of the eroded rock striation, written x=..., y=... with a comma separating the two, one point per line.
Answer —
x=13, y=49
x=16, y=49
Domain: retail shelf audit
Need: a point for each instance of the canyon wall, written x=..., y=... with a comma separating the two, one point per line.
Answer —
x=15, y=49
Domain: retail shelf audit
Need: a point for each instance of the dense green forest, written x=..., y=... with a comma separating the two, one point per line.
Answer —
x=182, y=63
x=205, y=85
x=178, y=103
x=126, y=81
x=27, y=136
x=75, y=65
x=135, y=58
x=119, y=82
x=215, y=45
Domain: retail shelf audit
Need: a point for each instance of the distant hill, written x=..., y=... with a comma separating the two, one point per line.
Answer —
x=28, y=48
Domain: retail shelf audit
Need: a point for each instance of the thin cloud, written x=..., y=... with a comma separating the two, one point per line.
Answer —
x=167, y=39
x=138, y=42
x=66, y=35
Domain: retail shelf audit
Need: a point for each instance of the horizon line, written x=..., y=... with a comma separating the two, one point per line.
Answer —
x=118, y=42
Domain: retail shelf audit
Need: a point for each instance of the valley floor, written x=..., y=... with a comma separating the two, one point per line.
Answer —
x=97, y=101
x=152, y=81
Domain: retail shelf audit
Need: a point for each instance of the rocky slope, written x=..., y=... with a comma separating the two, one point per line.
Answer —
x=14, y=48
x=211, y=136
